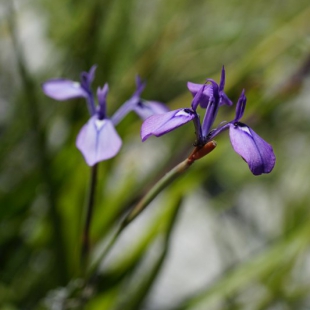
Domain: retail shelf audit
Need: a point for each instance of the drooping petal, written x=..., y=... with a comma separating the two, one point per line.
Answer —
x=145, y=109
x=62, y=89
x=206, y=95
x=160, y=124
x=98, y=140
x=252, y=148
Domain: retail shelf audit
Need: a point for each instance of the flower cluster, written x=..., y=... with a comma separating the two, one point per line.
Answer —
x=210, y=96
x=98, y=140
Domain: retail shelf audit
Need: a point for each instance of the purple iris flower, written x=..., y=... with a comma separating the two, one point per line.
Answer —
x=255, y=151
x=98, y=139
x=251, y=147
x=208, y=92
x=161, y=124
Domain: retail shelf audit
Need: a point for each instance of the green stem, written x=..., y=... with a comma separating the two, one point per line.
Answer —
x=165, y=181
x=89, y=212
x=144, y=202
x=156, y=189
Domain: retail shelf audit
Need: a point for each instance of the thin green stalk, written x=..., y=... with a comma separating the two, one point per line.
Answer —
x=148, y=198
x=165, y=181
x=88, y=217
x=168, y=178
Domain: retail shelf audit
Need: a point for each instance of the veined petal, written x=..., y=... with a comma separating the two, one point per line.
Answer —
x=62, y=89
x=147, y=108
x=252, y=148
x=160, y=124
x=206, y=95
x=98, y=140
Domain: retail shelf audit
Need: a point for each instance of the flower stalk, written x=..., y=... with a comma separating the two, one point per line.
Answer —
x=88, y=217
x=166, y=180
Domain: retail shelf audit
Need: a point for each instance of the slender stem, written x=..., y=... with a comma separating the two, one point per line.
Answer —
x=150, y=196
x=165, y=181
x=88, y=217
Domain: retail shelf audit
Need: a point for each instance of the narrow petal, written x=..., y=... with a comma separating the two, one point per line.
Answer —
x=61, y=89
x=147, y=108
x=240, y=107
x=87, y=78
x=161, y=124
x=140, y=85
x=211, y=111
x=98, y=140
x=252, y=148
x=102, y=100
x=222, y=81
x=207, y=92
x=198, y=97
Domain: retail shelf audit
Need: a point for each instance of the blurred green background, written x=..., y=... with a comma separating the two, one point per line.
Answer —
x=218, y=238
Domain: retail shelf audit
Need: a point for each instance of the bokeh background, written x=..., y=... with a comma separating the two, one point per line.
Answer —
x=218, y=238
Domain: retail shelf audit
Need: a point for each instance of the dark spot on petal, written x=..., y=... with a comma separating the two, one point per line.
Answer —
x=189, y=111
x=238, y=124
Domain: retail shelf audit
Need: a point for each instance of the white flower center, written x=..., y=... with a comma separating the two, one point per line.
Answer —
x=99, y=123
x=182, y=113
x=245, y=129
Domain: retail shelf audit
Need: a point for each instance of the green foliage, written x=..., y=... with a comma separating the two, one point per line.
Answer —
x=257, y=227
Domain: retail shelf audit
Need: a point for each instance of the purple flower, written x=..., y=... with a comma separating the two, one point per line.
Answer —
x=141, y=107
x=255, y=151
x=208, y=92
x=161, y=124
x=251, y=147
x=98, y=139
x=62, y=89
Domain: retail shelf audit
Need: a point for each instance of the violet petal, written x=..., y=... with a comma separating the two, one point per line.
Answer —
x=160, y=124
x=62, y=89
x=207, y=92
x=102, y=100
x=98, y=140
x=147, y=108
x=252, y=148
x=240, y=106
